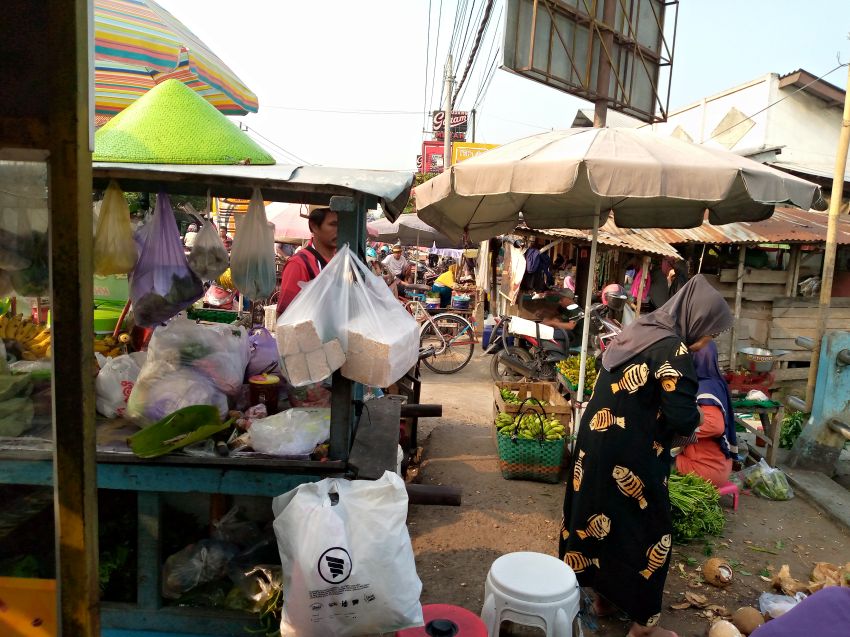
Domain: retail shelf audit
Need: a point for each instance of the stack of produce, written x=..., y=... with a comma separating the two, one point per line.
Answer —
x=24, y=339
x=16, y=406
x=509, y=397
x=696, y=512
x=306, y=359
x=110, y=346
x=379, y=357
x=530, y=426
x=569, y=369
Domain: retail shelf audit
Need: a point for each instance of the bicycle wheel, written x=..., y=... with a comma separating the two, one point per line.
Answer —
x=452, y=338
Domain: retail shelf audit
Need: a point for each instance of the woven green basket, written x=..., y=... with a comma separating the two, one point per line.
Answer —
x=523, y=459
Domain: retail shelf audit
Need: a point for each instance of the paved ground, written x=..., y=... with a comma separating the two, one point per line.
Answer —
x=455, y=546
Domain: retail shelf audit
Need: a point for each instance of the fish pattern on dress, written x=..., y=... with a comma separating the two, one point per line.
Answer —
x=579, y=562
x=604, y=419
x=653, y=621
x=629, y=484
x=634, y=377
x=656, y=555
x=657, y=447
x=681, y=350
x=669, y=376
x=578, y=471
x=598, y=526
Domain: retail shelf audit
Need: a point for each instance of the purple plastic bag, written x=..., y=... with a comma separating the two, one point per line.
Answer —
x=263, y=357
x=161, y=284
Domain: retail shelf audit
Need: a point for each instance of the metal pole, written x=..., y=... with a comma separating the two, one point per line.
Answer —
x=585, y=328
x=472, y=113
x=447, y=112
x=603, y=78
x=829, y=252
x=739, y=291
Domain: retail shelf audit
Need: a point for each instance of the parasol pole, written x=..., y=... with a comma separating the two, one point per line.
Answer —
x=829, y=251
x=585, y=327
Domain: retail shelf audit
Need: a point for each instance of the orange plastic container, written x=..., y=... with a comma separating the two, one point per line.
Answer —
x=27, y=607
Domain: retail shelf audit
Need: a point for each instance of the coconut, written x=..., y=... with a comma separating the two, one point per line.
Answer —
x=723, y=629
x=747, y=619
x=717, y=572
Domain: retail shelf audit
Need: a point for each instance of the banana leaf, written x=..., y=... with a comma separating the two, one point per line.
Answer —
x=183, y=427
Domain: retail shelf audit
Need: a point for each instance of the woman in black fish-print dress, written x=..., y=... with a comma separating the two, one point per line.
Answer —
x=617, y=529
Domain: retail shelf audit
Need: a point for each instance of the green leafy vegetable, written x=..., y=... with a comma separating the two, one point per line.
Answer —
x=792, y=427
x=183, y=427
x=695, y=508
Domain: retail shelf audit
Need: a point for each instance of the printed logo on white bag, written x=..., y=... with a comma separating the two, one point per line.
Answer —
x=335, y=565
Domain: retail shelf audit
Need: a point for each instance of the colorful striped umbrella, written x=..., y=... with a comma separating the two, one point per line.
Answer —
x=138, y=45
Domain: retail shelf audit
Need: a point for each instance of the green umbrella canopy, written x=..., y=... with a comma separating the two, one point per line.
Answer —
x=172, y=124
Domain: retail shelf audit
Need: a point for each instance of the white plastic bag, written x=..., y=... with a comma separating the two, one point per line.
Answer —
x=114, y=383
x=252, y=254
x=777, y=605
x=294, y=432
x=208, y=258
x=114, y=247
x=347, y=560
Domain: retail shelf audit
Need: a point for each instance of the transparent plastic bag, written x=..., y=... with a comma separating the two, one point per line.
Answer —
x=189, y=364
x=294, y=432
x=196, y=564
x=777, y=605
x=252, y=255
x=232, y=527
x=768, y=482
x=114, y=247
x=208, y=258
x=162, y=283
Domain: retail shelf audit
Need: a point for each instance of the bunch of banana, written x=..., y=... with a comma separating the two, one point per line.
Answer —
x=24, y=337
x=570, y=368
x=509, y=396
x=226, y=280
x=110, y=346
x=530, y=427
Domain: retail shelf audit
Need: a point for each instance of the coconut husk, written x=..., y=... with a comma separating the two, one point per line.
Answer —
x=783, y=581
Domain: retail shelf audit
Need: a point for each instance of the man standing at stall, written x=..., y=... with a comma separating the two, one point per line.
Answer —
x=306, y=264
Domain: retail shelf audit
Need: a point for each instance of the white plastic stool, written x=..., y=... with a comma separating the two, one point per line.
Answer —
x=531, y=589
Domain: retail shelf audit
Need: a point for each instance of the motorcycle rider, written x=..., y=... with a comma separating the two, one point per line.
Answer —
x=565, y=321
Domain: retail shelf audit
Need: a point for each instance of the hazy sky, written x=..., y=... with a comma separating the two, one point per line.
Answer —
x=302, y=58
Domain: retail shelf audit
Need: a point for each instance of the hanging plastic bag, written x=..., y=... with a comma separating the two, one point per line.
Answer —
x=341, y=576
x=114, y=247
x=382, y=339
x=114, y=383
x=252, y=255
x=294, y=432
x=262, y=354
x=209, y=258
x=162, y=283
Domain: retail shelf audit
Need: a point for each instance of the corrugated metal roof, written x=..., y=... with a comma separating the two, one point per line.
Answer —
x=610, y=235
x=787, y=225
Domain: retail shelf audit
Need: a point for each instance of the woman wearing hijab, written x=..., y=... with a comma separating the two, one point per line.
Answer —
x=710, y=457
x=617, y=530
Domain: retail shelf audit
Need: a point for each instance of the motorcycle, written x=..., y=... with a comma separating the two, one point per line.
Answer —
x=518, y=356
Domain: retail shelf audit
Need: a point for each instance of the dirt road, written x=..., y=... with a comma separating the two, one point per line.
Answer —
x=455, y=546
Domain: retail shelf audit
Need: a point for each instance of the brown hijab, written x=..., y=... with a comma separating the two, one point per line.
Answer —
x=695, y=311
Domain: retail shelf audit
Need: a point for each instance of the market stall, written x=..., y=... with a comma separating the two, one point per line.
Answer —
x=356, y=452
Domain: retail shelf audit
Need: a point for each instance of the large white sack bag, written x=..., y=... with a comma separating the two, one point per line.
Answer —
x=348, y=566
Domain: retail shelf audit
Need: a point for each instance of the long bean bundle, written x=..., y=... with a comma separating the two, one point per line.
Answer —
x=695, y=508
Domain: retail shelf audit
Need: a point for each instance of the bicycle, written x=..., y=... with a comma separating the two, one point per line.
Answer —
x=450, y=335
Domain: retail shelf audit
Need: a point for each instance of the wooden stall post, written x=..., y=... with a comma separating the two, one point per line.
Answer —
x=72, y=281
x=644, y=272
x=793, y=271
x=739, y=292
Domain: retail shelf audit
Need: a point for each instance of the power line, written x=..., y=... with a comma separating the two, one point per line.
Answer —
x=429, y=106
x=347, y=111
x=467, y=30
x=278, y=146
x=460, y=12
x=487, y=79
x=781, y=99
x=427, y=64
x=486, y=57
x=488, y=11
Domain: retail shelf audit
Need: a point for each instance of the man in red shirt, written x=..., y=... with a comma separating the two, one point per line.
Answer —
x=306, y=264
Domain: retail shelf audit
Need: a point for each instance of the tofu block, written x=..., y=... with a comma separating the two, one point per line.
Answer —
x=286, y=343
x=296, y=368
x=334, y=354
x=317, y=365
x=307, y=336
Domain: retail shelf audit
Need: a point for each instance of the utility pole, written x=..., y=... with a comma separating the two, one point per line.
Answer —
x=472, y=115
x=603, y=77
x=447, y=115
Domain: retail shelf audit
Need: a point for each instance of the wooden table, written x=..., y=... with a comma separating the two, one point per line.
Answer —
x=771, y=422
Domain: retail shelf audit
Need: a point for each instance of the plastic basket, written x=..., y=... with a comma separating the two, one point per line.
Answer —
x=522, y=459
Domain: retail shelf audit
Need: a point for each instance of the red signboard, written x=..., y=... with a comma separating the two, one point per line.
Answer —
x=457, y=125
x=432, y=157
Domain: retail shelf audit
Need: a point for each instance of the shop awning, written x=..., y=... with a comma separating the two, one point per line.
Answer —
x=611, y=236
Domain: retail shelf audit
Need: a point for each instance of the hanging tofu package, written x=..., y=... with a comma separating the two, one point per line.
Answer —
x=382, y=338
x=347, y=561
x=310, y=333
